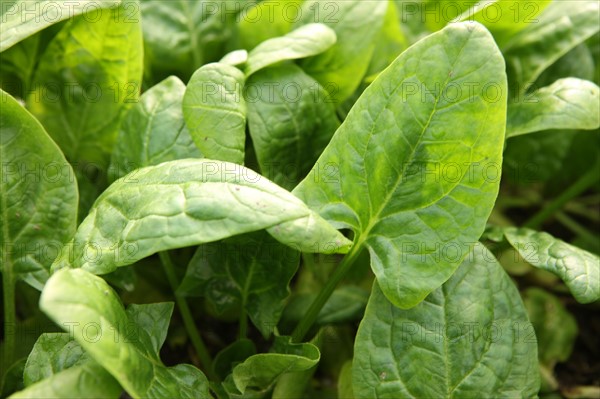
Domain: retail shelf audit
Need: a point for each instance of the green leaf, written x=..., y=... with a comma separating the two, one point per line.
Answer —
x=252, y=271
x=215, y=112
x=356, y=23
x=262, y=370
x=153, y=130
x=561, y=27
x=86, y=77
x=232, y=355
x=305, y=41
x=265, y=20
x=59, y=367
x=579, y=269
x=235, y=58
x=503, y=18
x=414, y=168
x=181, y=36
x=555, y=328
x=344, y=385
x=154, y=319
x=23, y=18
x=38, y=196
x=464, y=341
x=291, y=122
x=566, y=104
x=390, y=43
x=92, y=312
x=12, y=380
x=191, y=202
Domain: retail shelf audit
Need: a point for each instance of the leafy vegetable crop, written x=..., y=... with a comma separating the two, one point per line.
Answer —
x=300, y=199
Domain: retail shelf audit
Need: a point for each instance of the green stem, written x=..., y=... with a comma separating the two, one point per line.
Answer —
x=10, y=314
x=576, y=228
x=243, y=323
x=313, y=311
x=188, y=320
x=585, y=182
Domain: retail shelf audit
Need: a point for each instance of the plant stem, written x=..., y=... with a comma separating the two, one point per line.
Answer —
x=576, y=228
x=186, y=315
x=243, y=324
x=584, y=182
x=10, y=314
x=313, y=311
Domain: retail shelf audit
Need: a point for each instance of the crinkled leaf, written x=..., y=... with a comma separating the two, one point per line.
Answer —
x=555, y=328
x=86, y=77
x=23, y=18
x=356, y=24
x=566, y=104
x=465, y=340
x=153, y=130
x=252, y=271
x=52, y=353
x=414, y=168
x=85, y=305
x=561, y=27
x=262, y=370
x=579, y=269
x=290, y=123
x=38, y=196
x=215, y=112
x=154, y=319
x=191, y=202
x=305, y=41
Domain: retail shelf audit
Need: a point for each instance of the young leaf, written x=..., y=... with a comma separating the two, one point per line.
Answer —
x=235, y=58
x=307, y=40
x=414, y=168
x=229, y=357
x=252, y=270
x=566, y=104
x=92, y=312
x=191, y=202
x=465, y=340
x=261, y=371
x=356, y=24
x=23, y=18
x=561, y=27
x=38, y=192
x=58, y=367
x=579, y=269
x=153, y=130
x=215, y=112
x=86, y=77
x=290, y=124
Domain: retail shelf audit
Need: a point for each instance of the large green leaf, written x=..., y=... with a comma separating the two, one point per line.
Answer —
x=464, y=341
x=562, y=26
x=153, y=130
x=261, y=371
x=91, y=311
x=23, y=18
x=414, y=168
x=579, y=269
x=190, y=202
x=38, y=196
x=566, y=104
x=86, y=77
x=252, y=271
x=307, y=40
x=290, y=122
x=58, y=367
x=356, y=23
x=215, y=112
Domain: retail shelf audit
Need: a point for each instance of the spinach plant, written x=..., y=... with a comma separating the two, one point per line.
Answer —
x=298, y=199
